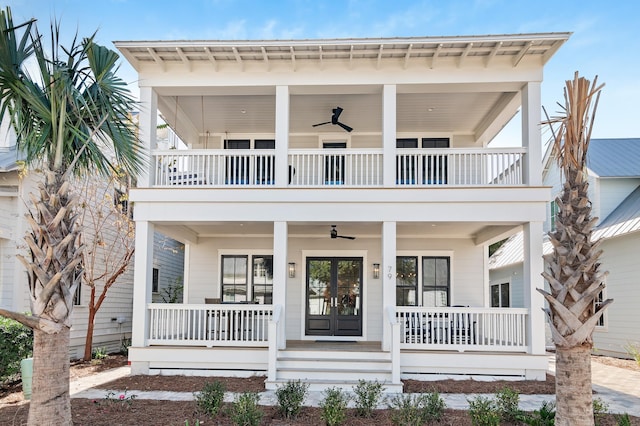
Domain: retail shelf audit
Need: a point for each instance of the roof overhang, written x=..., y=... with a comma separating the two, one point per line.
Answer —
x=513, y=48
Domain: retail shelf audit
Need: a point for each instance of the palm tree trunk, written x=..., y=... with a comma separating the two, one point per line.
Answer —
x=573, y=386
x=50, y=400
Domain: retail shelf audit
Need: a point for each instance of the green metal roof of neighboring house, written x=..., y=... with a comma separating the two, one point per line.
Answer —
x=614, y=157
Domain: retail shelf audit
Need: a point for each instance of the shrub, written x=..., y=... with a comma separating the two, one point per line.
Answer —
x=291, y=397
x=367, y=396
x=245, y=410
x=600, y=408
x=544, y=416
x=507, y=401
x=334, y=406
x=623, y=419
x=408, y=410
x=483, y=411
x=209, y=399
x=99, y=353
x=633, y=351
x=16, y=343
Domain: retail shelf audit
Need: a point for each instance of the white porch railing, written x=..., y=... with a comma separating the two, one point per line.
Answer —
x=209, y=325
x=483, y=329
x=339, y=167
x=330, y=167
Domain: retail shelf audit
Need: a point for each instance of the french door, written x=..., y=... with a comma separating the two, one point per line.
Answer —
x=334, y=296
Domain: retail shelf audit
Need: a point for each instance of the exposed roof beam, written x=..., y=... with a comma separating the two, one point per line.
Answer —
x=212, y=58
x=321, y=57
x=465, y=53
x=552, y=50
x=435, y=55
x=265, y=57
x=293, y=57
x=351, y=57
x=407, y=55
x=493, y=53
x=238, y=57
x=379, y=56
x=520, y=55
x=184, y=58
x=156, y=57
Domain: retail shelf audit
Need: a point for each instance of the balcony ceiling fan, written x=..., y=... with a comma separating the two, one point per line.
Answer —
x=334, y=234
x=334, y=120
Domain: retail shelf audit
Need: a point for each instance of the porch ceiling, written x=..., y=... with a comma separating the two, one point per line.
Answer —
x=320, y=230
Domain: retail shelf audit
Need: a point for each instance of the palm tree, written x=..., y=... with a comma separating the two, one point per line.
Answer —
x=573, y=267
x=70, y=115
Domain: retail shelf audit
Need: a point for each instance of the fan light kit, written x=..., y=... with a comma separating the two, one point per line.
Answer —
x=334, y=234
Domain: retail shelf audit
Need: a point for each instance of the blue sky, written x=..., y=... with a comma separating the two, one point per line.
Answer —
x=605, y=40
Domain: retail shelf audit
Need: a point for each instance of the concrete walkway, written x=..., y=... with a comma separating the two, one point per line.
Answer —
x=619, y=388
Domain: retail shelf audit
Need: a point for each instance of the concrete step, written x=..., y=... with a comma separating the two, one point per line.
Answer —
x=333, y=355
x=342, y=365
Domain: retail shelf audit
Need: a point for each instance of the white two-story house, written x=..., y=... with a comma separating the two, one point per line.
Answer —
x=336, y=202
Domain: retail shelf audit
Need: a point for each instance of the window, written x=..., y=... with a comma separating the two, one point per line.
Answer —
x=77, y=296
x=500, y=295
x=262, y=291
x=121, y=201
x=235, y=283
x=155, y=280
x=434, y=167
x=406, y=163
x=237, y=166
x=234, y=278
x=429, y=279
x=435, y=281
x=597, y=304
x=554, y=214
x=334, y=164
x=406, y=281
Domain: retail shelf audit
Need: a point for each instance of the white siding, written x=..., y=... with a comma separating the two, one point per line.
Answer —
x=620, y=258
x=511, y=274
x=168, y=257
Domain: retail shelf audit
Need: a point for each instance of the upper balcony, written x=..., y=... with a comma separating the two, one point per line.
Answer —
x=352, y=168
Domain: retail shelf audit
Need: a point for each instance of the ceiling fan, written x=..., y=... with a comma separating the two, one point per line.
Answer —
x=334, y=120
x=334, y=234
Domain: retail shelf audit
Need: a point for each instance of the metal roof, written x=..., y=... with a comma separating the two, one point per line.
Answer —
x=8, y=159
x=614, y=157
x=407, y=49
x=625, y=219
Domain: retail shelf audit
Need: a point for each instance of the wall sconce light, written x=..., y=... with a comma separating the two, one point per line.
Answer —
x=376, y=271
x=292, y=269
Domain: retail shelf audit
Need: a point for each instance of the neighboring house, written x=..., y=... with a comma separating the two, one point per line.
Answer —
x=113, y=320
x=613, y=167
x=387, y=139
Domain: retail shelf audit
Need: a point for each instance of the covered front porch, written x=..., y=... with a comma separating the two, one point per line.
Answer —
x=334, y=310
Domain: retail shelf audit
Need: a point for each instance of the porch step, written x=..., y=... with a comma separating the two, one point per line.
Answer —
x=342, y=369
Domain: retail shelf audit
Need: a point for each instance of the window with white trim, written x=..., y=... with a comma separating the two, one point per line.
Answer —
x=500, y=295
x=424, y=281
x=236, y=286
x=597, y=305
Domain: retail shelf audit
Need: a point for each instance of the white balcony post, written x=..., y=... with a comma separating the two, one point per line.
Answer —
x=148, y=121
x=389, y=135
x=531, y=138
x=142, y=278
x=532, y=279
x=388, y=278
x=282, y=136
x=280, y=263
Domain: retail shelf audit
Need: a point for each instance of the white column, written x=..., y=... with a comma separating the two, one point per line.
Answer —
x=389, y=135
x=148, y=122
x=532, y=279
x=280, y=264
x=388, y=278
x=531, y=138
x=282, y=136
x=142, y=278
